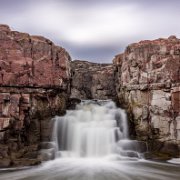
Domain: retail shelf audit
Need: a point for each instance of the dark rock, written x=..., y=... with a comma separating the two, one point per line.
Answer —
x=171, y=148
x=47, y=145
x=5, y=163
x=25, y=162
x=92, y=80
x=72, y=102
x=31, y=155
x=47, y=154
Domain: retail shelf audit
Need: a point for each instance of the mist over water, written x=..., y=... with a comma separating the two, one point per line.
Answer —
x=92, y=130
x=91, y=143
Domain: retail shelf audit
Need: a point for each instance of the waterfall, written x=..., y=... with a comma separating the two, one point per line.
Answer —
x=93, y=129
x=91, y=143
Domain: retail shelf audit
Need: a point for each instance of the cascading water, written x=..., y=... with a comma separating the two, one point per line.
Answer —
x=94, y=129
x=91, y=143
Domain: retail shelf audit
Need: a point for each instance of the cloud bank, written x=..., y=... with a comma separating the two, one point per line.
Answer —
x=93, y=30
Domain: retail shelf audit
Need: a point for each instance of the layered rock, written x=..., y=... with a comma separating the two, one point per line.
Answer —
x=36, y=81
x=149, y=87
x=34, y=86
x=92, y=80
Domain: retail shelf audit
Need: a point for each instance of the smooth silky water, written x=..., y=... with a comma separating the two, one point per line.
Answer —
x=91, y=143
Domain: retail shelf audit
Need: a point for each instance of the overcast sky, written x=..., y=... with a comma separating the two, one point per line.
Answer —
x=94, y=30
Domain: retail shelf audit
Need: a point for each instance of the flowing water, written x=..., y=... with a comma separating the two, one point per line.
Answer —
x=91, y=143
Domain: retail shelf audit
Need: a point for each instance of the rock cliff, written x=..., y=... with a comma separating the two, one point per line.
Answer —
x=92, y=80
x=148, y=86
x=38, y=79
x=34, y=86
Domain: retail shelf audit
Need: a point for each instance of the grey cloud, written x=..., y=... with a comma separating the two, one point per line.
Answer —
x=145, y=3
x=156, y=18
x=13, y=6
x=94, y=54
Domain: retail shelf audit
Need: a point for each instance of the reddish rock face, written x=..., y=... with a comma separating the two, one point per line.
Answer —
x=149, y=85
x=31, y=61
x=151, y=62
x=34, y=86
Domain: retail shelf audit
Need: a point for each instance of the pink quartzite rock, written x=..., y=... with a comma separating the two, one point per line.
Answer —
x=34, y=87
x=149, y=85
x=151, y=62
x=31, y=61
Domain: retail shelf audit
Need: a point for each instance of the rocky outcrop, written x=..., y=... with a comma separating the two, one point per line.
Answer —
x=92, y=80
x=34, y=86
x=37, y=78
x=148, y=85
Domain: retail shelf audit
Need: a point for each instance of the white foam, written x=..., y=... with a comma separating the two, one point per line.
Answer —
x=174, y=161
x=92, y=130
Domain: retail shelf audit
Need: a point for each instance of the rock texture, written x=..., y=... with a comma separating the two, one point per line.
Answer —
x=92, y=80
x=148, y=84
x=34, y=86
x=37, y=78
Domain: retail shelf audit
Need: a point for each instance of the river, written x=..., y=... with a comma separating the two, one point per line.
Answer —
x=92, y=143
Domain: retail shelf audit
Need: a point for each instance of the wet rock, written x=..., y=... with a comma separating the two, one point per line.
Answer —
x=25, y=162
x=73, y=102
x=47, y=145
x=47, y=154
x=31, y=155
x=5, y=163
x=135, y=146
x=171, y=148
x=4, y=152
